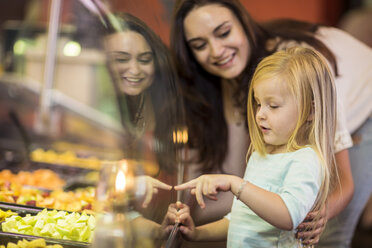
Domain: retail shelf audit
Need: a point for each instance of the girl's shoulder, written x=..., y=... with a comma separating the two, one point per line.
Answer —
x=304, y=153
x=307, y=152
x=302, y=160
x=306, y=159
x=306, y=149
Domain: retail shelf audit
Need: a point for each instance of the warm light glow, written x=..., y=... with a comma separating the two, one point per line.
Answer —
x=174, y=137
x=123, y=165
x=72, y=49
x=185, y=136
x=180, y=136
x=120, y=182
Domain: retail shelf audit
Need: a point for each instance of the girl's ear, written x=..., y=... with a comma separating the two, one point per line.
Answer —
x=312, y=112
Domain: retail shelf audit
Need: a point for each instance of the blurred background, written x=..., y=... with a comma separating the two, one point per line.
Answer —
x=76, y=116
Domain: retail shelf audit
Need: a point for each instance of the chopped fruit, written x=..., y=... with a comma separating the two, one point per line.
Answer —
x=53, y=224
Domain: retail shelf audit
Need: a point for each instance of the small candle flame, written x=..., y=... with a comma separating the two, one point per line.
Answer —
x=120, y=182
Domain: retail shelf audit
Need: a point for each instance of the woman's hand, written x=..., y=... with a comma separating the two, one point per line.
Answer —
x=208, y=185
x=151, y=187
x=169, y=220
x=179, y=213
x=309, y=230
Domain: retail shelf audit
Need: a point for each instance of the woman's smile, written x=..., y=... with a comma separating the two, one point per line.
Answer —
x=133, y=79
x=225, y=62
x=217, y=40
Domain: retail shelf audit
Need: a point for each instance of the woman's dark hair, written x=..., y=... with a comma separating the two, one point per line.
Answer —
x=202, y=91
x=164, y=93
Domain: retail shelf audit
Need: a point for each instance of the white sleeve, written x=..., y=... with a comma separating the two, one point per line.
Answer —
x=342, y=136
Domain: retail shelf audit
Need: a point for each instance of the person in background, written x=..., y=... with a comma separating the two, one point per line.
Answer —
x=291, y=121
x=357, y=23
x=217, y=46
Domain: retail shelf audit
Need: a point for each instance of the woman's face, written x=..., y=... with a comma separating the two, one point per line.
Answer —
x=217, y=40
x=132, y=59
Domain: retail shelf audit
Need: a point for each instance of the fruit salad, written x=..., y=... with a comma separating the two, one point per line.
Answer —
x=53, y=224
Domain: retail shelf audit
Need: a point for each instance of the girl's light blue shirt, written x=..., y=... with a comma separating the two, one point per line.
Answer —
x=296, y=178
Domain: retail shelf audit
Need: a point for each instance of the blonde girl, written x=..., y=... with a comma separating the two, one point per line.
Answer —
x=291, y=120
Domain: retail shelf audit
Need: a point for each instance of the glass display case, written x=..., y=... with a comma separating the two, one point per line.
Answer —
x=84, y=89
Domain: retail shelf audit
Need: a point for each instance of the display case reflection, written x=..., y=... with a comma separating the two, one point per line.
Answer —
x=123, y=185
x=151, y=135
x=121, y=191
x=146, y=88
x=115, y=192
x=151, y=112
x=81, y=98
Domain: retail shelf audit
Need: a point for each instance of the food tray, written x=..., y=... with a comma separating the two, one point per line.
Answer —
x=64, y=171
x=22, y=210
x=6, y=237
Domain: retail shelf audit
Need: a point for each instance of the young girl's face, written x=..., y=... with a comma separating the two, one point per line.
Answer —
x=277, y=112
x=133, y=59
x=217, y=40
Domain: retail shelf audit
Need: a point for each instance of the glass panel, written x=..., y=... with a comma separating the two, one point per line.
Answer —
x=81, y=88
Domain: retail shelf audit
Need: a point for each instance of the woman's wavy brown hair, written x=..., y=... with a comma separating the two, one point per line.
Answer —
x=202, y=91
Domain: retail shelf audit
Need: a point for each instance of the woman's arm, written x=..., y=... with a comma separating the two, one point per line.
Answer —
x=343, y=194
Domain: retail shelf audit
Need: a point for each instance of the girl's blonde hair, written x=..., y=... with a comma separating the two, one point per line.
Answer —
x=311, y=82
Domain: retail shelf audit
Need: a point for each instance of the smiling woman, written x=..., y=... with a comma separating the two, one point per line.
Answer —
x=133, y=60
x=147, y=92
x=220, y=45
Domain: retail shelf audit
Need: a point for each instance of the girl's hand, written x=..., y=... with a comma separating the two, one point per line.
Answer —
x=315, y=228
x=208, y=185
x=169, y=220
x=151, y=187
x=179, y=213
